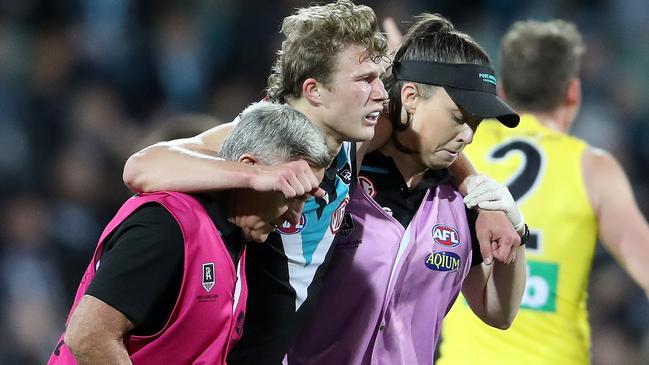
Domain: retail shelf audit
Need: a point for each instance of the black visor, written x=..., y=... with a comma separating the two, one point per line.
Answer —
x=472, y=87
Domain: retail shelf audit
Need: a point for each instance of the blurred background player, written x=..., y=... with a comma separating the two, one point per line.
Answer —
x=570, y=194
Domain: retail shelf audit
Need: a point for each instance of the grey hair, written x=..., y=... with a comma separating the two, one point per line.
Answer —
x=275, y=133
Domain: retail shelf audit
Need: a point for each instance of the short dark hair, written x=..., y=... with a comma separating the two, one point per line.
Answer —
x=432, y=38
x=538, y=59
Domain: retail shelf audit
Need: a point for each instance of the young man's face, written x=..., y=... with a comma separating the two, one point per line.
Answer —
x=354, y=98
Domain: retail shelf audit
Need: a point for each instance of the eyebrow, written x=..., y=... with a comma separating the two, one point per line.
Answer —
x=366, y=73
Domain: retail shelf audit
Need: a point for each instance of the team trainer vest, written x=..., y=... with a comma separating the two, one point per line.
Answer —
x=208, y=316
x=543, y=169
x=387, y=288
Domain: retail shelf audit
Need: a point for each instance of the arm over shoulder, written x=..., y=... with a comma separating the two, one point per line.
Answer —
x=188, y=164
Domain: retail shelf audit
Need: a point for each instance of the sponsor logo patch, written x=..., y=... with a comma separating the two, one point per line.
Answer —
x=488, y=78
x=541, y=287
x=288, y=229
x=446, y=235
x=208, y=276
x=443, y=261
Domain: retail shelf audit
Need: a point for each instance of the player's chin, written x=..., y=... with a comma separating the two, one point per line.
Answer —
x=434, y=162
x=362, y=134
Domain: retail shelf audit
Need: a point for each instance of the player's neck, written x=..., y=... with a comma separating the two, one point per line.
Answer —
x=332, y=138
x=559, y=119
x=411, y=168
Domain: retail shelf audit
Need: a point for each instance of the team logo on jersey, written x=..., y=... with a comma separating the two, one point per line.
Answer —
x=208, y=276
x=446, y=235
x=347, y=226
x=288, y=228
x=367, y=185
x=338, y=216
x=443, y=261
x=345, y=173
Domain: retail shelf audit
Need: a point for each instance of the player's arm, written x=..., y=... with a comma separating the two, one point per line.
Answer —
x=622, y=228
x=191, y=165
x=494, y=291
x=95, y=333
x=173, y=165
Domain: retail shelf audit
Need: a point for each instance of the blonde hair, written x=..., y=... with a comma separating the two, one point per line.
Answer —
x=313, y=38
x=538, y=60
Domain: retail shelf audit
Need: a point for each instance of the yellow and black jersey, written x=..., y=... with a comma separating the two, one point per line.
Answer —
x=543, y=170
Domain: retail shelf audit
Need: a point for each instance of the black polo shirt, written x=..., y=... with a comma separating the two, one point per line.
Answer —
x=393, y=194
x=141, y=266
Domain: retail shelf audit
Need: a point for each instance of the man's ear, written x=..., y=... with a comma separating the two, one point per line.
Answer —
x=409, y=97
x=248, y=159
x=311, y=91
x=573, y=92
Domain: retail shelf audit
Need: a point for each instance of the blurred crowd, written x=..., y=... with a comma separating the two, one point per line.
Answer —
x=85, y=83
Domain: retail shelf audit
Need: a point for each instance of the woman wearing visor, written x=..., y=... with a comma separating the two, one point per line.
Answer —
x=407, y=244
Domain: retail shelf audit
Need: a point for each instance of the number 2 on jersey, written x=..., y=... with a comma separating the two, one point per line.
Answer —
x=525, y=180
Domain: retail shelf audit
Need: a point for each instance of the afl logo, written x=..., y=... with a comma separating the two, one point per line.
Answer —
x=367, y=185
x=446, y=235
x=288, y=228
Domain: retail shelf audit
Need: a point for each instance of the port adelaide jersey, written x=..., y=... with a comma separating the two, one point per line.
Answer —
x=284, y=272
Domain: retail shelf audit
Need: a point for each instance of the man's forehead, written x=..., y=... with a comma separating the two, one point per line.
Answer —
x=358, y=54
x=359, y=64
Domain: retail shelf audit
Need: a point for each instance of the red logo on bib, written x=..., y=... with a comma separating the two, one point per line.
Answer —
x=446, y=235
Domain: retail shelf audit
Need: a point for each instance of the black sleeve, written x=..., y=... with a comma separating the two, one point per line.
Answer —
x=141, y=268
x=476, y=258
